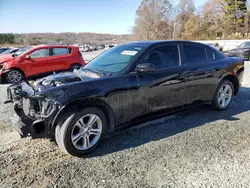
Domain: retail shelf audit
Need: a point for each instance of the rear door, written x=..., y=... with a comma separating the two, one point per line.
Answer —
x=201, y=72
x=60, y=58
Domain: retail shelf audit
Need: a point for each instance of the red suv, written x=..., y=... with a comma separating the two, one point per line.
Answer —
x=38, y=61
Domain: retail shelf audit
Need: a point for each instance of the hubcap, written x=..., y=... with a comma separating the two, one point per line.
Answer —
x=86, y=132
x=14, y=76
x=225, y=95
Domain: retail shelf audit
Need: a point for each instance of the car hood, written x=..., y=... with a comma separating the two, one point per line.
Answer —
x=5, y=57
x=64, y=78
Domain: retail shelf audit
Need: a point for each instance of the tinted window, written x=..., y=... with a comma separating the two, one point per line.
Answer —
x=40, y=53
x=194, y=54
x=60, y=51
x=163, y=57
x=210, y=55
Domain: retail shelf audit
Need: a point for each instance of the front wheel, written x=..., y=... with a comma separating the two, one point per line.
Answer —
x=14, y=76
x=223, y=95
x=81, y=132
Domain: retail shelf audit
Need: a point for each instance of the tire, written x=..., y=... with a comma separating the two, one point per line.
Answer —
x=224, y=92
x=14, y=76
x=86, y=137
x=75, y=66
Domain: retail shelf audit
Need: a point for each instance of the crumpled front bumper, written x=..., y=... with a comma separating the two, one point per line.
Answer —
x=27, y=116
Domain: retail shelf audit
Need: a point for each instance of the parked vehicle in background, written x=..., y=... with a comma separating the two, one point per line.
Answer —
x=3, y=49
x=10, y=51
x=243, y=50
x=128, y=83
x=100, y=47
x=216, y=46
x=39, y=61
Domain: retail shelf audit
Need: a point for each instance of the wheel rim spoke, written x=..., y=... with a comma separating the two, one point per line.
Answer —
x=95, y=132
x=76, y=138
x=227, y=88
x=81, y=123
x=223, y=101
x=92, y=120
x=228, y=96
x=86, y=142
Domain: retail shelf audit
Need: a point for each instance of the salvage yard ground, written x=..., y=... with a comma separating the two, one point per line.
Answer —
x=196, y=148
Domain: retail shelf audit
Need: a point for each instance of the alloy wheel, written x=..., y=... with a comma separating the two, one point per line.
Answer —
x=86, y=132
x=225, y=95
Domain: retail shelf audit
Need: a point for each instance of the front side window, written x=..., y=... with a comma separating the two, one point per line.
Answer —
x=60, y=51
x=194, y=54
x=163, y=57
x=40, y=53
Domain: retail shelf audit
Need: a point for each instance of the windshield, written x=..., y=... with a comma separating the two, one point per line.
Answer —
x=20, y=51
x=245, y=44
x=8, y=51
x=116, y=58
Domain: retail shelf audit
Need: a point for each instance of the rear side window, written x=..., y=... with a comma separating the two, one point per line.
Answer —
x=194, y=54
x=60, y=51
x=40, y=53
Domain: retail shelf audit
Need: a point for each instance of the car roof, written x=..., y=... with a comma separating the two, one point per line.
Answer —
x=154, y=42
x=55, y=46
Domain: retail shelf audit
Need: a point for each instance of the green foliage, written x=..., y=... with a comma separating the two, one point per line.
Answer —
x=7, y=38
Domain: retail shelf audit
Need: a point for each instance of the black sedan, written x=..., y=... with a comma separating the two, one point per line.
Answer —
x=129, y=83
x=243, y=50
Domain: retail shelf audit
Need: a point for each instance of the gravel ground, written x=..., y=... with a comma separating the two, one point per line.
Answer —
x=197, y=148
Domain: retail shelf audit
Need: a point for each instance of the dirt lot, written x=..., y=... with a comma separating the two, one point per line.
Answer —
x=197, y=148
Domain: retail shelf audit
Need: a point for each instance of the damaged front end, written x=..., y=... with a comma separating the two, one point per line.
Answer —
x=33, y=113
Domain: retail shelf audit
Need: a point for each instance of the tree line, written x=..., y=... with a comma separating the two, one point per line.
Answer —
x=61, y=38
x=216, y=19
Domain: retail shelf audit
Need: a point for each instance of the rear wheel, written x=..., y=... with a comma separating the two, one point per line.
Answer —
x=14, y=76
x=223, y=95
x=81, y=132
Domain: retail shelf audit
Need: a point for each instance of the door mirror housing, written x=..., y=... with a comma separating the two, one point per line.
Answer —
x=27, y=57
x=145, y=67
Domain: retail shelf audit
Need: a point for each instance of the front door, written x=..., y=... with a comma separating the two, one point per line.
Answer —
x=159, y=89
x=37, y=63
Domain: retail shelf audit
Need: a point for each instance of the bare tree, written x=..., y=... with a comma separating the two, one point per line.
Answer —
x=153, y=20
x=185, y=10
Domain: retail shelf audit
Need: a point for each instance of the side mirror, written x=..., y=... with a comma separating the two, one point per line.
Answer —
x=145, y=67
x=27, y=57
